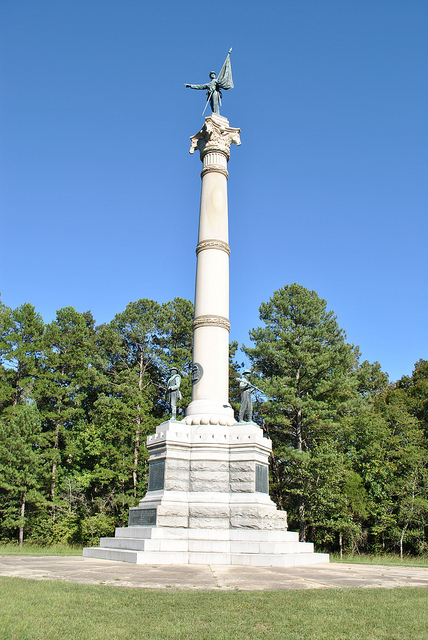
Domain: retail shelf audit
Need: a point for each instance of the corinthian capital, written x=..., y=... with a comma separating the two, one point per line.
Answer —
x=215, y=135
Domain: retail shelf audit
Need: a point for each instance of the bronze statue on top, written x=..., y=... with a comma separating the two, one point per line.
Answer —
x=214, y=86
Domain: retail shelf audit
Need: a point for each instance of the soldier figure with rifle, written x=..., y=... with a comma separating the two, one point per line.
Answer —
x=173, y=391
x=246, y=400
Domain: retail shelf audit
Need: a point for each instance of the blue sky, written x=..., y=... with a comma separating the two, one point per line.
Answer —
x=99, y=196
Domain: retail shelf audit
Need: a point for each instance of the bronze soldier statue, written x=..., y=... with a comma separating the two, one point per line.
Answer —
x=173, y=391
x=246, y=400
x=214, y=86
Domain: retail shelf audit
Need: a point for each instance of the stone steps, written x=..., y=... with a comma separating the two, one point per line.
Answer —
x=173, y=533
x=157, y=545
x=176, y=557
x=207, y=546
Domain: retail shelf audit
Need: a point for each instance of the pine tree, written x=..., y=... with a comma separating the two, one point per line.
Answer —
x=415, y=389
x=21, y=330
x=61, y=392
x=308, y=371
x=20, y=467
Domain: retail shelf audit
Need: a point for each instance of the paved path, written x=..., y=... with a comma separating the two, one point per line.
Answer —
x=122, y=574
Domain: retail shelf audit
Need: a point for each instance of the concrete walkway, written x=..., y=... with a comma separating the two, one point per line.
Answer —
x=322, y=576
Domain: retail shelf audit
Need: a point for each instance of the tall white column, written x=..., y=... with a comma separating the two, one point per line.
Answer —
x=210, y=380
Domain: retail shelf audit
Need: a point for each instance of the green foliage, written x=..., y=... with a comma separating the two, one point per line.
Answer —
x=20, y=467
x=332, y=494
x=21, y=330
x=309, y=373
x=349, y=459
x=137, y=348
x=95, y=527
x=234, y=374
x=415, y=393
x=306, y=367
x=94, y=394
x=349, y=451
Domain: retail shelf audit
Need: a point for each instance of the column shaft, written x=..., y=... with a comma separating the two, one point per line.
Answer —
x=210, y=390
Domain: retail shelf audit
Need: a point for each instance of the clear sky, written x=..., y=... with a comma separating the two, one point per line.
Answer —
x=99, y=196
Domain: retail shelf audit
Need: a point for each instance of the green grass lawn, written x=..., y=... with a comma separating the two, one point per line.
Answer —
x=29, y=549
x=385, y=559
x=36, y=610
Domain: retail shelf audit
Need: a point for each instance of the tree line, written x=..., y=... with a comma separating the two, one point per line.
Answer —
x=77, y=401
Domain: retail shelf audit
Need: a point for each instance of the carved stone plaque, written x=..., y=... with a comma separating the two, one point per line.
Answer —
x=262, y=478
x=156, y=475
x=142, y=517
x=197, y=372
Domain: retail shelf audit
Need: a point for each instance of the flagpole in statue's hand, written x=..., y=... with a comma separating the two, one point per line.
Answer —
x=206, y=104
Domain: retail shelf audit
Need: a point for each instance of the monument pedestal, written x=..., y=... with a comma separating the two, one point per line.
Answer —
x=207, y=503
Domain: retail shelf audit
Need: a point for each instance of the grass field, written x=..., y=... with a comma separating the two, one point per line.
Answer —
x=36, y=610
x=389, y=559
x=29, y=549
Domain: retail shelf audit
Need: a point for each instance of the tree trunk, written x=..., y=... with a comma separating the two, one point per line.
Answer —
x=403, y=533
x=21, y=528
x=123, y=490
x=299, y=446
x=341, y=545
x=53, y=473
x=401, y=542
x=138, y=429
x=299, y=418
x=136, y=449
x=277, y=473
x=16, y=384
x=302, y=525
x=299, y=431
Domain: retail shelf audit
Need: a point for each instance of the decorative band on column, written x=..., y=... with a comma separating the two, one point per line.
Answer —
x=214, y=168
x=211, y=321
x=213, y=244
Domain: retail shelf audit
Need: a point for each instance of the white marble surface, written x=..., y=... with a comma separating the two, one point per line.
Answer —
x=206, y=546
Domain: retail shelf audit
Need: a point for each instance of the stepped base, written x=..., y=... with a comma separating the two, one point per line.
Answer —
x=207, y=503
x=145, y=545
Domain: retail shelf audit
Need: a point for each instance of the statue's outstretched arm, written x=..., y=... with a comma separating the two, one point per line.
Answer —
x=197, y=86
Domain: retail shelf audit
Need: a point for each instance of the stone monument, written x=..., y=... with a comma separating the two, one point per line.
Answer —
x=208, y=495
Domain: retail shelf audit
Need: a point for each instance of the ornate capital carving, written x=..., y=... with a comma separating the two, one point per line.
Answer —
x=213, y=244
x=211, y=321
x=215, y=135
